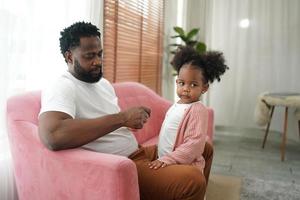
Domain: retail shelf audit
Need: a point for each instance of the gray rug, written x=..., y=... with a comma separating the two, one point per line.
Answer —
x=258, y=189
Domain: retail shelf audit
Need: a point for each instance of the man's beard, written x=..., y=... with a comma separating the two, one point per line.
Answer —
x=85, y=76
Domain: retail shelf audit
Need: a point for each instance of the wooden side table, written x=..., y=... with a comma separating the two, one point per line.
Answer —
x=281, y=99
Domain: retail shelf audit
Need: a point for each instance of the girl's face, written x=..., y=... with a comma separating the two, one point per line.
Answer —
x=190, y=84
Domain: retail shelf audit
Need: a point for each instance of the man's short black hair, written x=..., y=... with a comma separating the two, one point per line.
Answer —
x=70, y=36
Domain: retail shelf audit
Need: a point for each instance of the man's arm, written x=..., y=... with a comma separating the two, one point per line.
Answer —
x=59, y=130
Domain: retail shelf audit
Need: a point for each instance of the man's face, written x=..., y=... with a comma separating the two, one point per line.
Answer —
x=90, y=76
x=86, y=60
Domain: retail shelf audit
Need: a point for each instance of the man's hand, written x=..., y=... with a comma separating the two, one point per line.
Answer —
x=136, y=117
x=156, y=164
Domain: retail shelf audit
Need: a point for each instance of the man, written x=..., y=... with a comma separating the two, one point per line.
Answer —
x=81, y=110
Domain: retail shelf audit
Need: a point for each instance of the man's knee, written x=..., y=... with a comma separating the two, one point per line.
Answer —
x=196, y=179
x=173, y=182
x=195, y=185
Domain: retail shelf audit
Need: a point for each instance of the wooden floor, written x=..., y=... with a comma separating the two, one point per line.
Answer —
x=238, y=152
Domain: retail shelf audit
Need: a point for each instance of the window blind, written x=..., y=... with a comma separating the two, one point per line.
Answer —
x=133, y=33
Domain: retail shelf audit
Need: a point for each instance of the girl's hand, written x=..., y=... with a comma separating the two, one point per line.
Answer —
x=156, y=164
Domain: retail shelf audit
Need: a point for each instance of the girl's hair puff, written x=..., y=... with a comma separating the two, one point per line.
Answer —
x=211, y=63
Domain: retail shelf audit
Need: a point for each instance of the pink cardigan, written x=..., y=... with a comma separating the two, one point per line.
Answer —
x=191, y=138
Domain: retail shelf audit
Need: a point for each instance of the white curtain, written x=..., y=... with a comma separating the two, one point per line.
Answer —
x=262, y=57
x=30, y=56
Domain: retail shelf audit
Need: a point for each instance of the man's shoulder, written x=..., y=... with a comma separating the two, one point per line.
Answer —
x=64, y=82
x=105, y=82
x=61, y=83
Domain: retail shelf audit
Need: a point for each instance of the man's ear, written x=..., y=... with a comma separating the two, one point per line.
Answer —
x=68, y=57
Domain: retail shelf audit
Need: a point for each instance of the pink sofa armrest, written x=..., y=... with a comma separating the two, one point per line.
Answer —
x=70, y=174
x=91, y=175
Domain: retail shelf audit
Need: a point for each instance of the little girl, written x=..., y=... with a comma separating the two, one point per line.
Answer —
x=183, y=133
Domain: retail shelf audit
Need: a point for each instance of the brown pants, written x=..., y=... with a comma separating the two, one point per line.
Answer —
x=180, y=182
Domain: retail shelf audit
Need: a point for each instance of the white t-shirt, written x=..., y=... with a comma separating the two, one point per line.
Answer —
x=168, y=131
x=86, y=101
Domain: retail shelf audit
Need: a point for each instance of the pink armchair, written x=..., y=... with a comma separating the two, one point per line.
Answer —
x=78, y=173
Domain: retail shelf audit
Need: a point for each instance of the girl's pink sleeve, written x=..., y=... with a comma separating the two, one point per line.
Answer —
x=194, y=129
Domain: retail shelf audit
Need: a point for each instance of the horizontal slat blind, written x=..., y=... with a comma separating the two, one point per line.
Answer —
x=133, y=33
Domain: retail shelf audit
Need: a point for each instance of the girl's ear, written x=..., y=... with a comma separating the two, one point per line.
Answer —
x=205, y=88
x=68, y=57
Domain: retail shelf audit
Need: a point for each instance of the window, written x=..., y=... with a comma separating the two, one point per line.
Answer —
x=133, y=33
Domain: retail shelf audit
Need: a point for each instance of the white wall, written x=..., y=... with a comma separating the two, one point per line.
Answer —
x=262, y=57
x=170, y=21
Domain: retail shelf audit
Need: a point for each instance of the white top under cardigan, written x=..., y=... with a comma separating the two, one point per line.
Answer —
x=168, y=131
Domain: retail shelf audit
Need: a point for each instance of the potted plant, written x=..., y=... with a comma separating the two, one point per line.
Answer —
x=187, y=39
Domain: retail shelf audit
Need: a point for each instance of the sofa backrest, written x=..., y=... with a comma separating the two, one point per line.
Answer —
x=26, y=107
x=135, y=94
